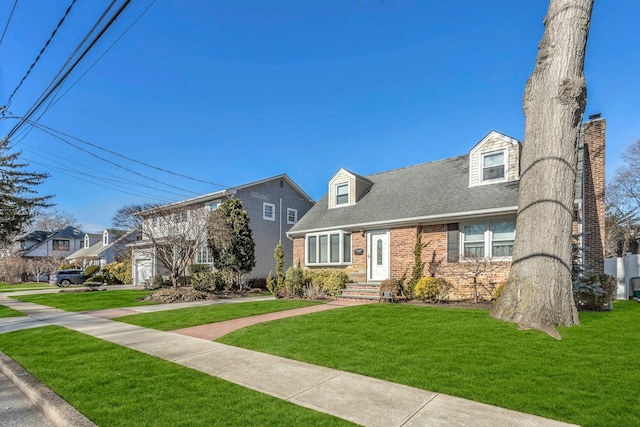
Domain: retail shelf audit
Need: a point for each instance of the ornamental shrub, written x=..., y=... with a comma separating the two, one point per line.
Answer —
x=293, y=283
x=157, y=282
x=431, y=289
x=594, y=291
x=203, y=281
x=392, y=285
x=330, y=281
x=119, y=272
x=91, y=270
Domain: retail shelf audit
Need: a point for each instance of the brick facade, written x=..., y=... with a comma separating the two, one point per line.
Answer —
x=594, y=185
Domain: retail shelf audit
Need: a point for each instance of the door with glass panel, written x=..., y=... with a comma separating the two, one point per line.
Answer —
x=378, y=256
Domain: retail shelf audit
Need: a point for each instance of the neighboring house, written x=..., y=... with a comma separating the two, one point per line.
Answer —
x=465, y=207
x=273, y=205
x=58, y=244
x=102, y=249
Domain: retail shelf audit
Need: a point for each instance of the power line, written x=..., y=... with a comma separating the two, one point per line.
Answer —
x=139, y=193
x=128, y=158
x=55, y=133
x=105, y=177
x=43, y=99
x=41, y=51
x=8, y=21
x=42, y=128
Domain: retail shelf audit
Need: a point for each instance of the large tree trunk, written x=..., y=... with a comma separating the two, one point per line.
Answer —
x=538, y=294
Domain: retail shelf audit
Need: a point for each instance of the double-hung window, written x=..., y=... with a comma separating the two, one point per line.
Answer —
x=488, y=240
x=333, y=247
x=292, y=216
x=493, y=166
x=342, y=194
x=269, y=211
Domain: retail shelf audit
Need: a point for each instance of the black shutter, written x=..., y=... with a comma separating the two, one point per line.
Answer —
x=453, y=242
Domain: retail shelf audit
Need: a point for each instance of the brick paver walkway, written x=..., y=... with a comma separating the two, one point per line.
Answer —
x=213, y=331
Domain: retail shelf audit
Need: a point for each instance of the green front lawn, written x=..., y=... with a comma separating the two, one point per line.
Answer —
x=591, y=377
x=186, y=317
x=116, y=386
x=29, y=286
x=83, y=301
x=9, y=312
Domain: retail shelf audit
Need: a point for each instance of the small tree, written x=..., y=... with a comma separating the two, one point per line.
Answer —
x=176, y=234
x=229, y=239
x=278, y=255
x=52, y=219
x=128, y=217
x=418, y=264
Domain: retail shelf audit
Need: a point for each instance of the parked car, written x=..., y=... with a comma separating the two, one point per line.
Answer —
x=65, y=278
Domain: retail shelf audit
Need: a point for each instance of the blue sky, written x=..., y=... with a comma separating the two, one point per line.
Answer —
x=235, y=91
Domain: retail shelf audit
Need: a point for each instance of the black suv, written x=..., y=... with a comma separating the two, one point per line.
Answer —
x=66, y=277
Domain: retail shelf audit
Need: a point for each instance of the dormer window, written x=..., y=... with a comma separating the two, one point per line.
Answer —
x=493, y=166
x=342, y=194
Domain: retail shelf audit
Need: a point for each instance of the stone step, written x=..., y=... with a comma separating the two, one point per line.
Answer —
x=360, y=298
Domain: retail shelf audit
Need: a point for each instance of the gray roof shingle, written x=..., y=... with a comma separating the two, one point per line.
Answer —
x=421, y=193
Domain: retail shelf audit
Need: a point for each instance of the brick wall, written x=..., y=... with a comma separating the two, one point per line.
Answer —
x=594, y=186
x=461, y=275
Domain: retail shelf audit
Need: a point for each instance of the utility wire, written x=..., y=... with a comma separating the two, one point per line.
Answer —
x=56, y=159
x=43, y=127
x=57, y=98
x=41, y=51
x=43, y=99
x=8, y=21
x=135, y=21
x=119, y=189
x=109, y=161
x=56, y=133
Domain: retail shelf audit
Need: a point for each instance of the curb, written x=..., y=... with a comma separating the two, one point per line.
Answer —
x=56, y=409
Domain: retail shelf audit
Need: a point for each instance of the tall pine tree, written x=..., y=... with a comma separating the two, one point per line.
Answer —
x=230, y=240
x=17, y=200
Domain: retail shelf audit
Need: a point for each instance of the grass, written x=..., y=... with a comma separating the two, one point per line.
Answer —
x=9, y=312
x=591, y=377
x=29, y=286
x=83, y=301
x=116, y=386
x=186, y=317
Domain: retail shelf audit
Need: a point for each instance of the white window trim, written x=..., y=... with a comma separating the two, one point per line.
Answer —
x=209, y=206
x=506, y=166
x=488, y=239
x=201, y=249
x=264, y=211
x=340, y=184
x=295, y=214
x=341, y=261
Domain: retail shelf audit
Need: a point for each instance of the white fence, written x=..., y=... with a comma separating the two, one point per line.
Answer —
x=623, y=269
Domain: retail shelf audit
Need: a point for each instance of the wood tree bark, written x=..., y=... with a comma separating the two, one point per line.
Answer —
x=538, y=293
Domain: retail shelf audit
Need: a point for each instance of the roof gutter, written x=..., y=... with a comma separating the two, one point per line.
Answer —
x=454, y=216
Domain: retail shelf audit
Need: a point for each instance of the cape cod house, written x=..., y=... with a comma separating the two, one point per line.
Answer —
x=102, y=249
x=465, y=207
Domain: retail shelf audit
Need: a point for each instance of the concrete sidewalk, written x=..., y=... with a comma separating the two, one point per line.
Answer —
x=363, y=400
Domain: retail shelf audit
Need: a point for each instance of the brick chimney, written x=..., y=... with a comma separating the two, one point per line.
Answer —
x=593, y=197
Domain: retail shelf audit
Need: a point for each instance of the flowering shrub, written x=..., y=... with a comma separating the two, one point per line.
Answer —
x=431, y=289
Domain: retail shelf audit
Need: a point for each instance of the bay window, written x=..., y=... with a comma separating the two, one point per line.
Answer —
x=332, y=247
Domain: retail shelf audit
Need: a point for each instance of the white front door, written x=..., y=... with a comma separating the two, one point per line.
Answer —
x=378, y=255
